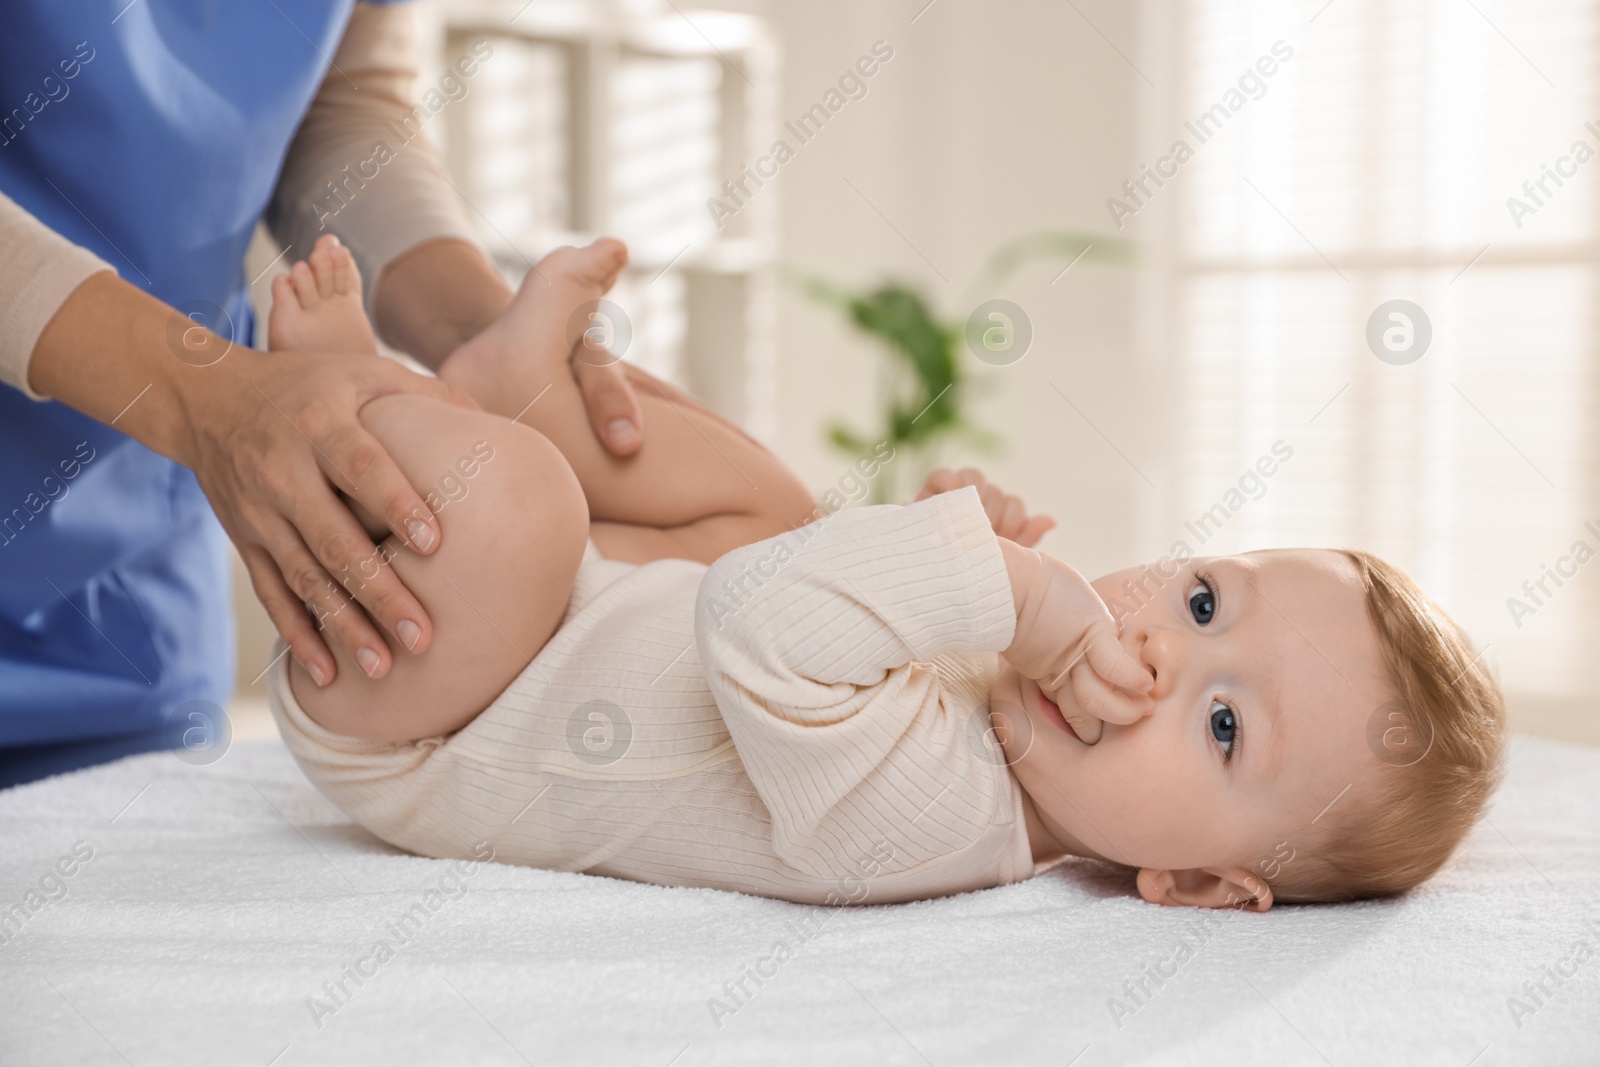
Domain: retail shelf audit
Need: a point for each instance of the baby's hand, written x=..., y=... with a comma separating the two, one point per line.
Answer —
x=1007, y=514
x=1065, y=633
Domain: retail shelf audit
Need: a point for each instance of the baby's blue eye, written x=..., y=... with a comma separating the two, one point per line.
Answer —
x=1224, y=727
x=1203, y=603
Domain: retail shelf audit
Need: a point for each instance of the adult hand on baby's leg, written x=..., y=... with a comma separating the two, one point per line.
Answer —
x=613, y=409
x=555, y=326
x=444, y=303
x=1008, y=515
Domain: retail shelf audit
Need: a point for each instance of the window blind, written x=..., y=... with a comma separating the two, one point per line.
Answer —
x=1376, y=165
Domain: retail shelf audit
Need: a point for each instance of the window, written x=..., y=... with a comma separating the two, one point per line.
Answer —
x=596, y=118
x=1374, y=164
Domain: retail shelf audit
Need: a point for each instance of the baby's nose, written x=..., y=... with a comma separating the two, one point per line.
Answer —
x=1161, y=652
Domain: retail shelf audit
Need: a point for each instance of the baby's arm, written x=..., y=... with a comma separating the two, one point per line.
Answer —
x=816, y=645
x=1063, y=628
x=1065, y=635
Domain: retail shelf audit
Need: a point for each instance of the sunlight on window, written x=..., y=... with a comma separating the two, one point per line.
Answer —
x=517, y=134
x=1376, y=164
x=665, y=151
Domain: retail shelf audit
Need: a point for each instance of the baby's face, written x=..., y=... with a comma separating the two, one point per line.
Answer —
x=1264, y=684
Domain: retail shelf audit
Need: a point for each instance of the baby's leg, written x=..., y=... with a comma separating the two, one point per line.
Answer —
x=697, y=487
x=514, y=524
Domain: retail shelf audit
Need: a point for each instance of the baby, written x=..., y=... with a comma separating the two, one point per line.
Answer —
x=675, y=668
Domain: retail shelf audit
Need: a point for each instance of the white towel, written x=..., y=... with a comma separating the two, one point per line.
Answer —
x=218, y=900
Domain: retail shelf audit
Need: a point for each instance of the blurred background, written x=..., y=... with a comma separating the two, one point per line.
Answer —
x=1280, y=172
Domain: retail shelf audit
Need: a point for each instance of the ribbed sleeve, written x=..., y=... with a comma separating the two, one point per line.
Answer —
x=816, y=651
x=334, y=181
x=38, y=271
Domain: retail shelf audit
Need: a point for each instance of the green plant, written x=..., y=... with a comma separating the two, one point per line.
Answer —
x=925, y=385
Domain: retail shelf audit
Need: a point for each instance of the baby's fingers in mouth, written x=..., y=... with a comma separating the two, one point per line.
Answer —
x=1085, y=727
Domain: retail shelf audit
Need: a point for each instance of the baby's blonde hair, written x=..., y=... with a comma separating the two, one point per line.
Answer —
x=1416, y=810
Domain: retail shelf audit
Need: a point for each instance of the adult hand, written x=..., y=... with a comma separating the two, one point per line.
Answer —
x=270, y=436
x=613, y=409
x=270, y=440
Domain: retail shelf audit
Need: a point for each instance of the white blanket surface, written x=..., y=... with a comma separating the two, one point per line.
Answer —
x=222, y=904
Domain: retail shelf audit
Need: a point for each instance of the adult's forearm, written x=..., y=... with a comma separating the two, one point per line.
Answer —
x=39, y=271
x=435, y=297
x=382, y=205
x=107, y=353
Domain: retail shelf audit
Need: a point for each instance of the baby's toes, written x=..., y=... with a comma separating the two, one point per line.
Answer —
x=282, y=292
x=285, y=314
x=346, y=278
x=592, y=267
x=305, y=285
x=606, y=257
x=323, y=255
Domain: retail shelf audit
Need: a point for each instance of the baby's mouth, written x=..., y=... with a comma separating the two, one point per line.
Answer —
x=1052, y=711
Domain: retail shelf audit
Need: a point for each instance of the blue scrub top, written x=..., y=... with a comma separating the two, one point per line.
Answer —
x=151, y=132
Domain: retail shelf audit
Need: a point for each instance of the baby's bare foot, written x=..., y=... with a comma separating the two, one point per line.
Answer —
x=316, y=307
x=508, y=364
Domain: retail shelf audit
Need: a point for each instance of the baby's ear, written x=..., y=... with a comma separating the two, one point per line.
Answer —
x=1205, y=887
